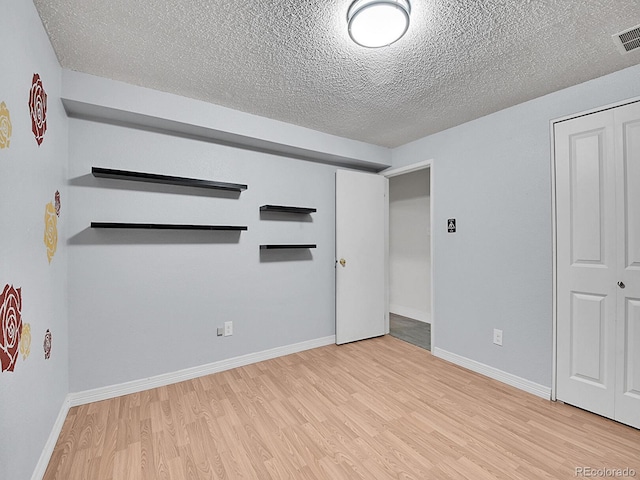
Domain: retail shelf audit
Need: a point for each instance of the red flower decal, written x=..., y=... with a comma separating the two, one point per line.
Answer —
x=10, y=326
x=57, y=204
x=47, y=345
x=38, y=108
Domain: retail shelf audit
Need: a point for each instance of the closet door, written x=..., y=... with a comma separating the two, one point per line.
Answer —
x=627, y=398
x=586, y=262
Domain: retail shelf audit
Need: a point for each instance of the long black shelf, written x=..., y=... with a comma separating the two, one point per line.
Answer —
x=166, y=226
x=165, y=179
x=286, y=209
x=283, y=246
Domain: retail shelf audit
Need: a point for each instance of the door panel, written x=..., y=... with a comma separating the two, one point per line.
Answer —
x=360, y=242
x=587, y=229
x=631, y=167
x=587, y=339
x=627, y=406
x=586, y=262
x=598, y=262
x=632, y=349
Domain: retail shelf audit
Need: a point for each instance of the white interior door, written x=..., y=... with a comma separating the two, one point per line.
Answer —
x=627, y=398
x=586, y=262
x=598, y=262
x=360, y=255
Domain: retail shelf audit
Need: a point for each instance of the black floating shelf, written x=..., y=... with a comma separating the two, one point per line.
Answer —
x=165, y=226
x=285, y=209
x=281, y=246
x=165, y=179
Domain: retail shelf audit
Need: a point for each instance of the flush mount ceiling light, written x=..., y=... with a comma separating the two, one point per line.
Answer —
x=378, y=23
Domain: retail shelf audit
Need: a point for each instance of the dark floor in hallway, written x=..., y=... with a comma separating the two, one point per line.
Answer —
x=410, y=330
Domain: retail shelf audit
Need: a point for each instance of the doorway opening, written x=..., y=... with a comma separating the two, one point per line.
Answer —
x=410, y=254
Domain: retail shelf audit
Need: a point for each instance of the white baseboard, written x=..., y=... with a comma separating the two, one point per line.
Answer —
x=112, y=391
x=47, y=451
x=414, y=313
x=496, y=374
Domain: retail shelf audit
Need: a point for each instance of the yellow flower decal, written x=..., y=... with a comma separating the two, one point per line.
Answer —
x=50, y=230
x=25, y=340
x=5, y=126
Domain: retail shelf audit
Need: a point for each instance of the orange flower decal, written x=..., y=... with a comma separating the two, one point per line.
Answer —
x=5, y=126
x=50, y=230
x=25, y=340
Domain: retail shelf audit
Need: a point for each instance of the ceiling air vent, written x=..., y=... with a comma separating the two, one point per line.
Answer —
x=628, y=40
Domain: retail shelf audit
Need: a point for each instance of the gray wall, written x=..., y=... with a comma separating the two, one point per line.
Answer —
x=31, y=395
x=494, y=176
x=143, y=303
x=147, y=303
x=410, y=245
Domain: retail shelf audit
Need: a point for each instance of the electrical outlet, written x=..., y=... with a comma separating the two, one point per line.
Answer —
x=220, y=331
x=228, y=329
x=497, y=336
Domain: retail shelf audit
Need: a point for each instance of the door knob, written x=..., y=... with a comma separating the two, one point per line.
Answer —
x=621, y=284
x=343, y=262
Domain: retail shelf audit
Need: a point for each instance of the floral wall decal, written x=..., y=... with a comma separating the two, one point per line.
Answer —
x=5, y=126
x=50, y=230
x=38, y=108
x=47, y=345
x=57, y=202
x=25, y=341
x=10, y=326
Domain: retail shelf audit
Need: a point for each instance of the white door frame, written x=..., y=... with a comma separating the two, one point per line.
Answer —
x=554, y=219
x=394, y=172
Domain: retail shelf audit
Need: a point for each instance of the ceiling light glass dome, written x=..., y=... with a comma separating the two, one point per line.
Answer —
x=378, y=23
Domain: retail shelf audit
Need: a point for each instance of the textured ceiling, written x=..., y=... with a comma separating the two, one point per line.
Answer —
x=294, y=61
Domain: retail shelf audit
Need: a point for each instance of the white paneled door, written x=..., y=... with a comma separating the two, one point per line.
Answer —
x=627, y=137
x=586, y=256
x=598, y=262
x=360, y=255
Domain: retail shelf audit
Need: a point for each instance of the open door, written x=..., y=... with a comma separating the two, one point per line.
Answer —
x=360, y=255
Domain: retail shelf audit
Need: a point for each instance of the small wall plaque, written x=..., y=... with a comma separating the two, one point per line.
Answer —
x=451, y=225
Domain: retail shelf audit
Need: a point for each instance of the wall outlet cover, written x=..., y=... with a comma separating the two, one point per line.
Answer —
x=228, y=329
x=497, y=336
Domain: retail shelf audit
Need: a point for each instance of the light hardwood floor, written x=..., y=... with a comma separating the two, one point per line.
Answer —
x=374, y=409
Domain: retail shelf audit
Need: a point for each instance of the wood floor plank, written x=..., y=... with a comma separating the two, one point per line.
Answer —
x=64, y=446
x=373, y=409
x=146, y=450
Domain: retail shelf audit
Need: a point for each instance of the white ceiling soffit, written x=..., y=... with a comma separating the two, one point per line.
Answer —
x=294, y=61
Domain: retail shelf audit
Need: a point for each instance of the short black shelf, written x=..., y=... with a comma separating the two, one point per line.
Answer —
x=166, y=226
x=281, y=246
x=286, y=209
x=165, y=179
